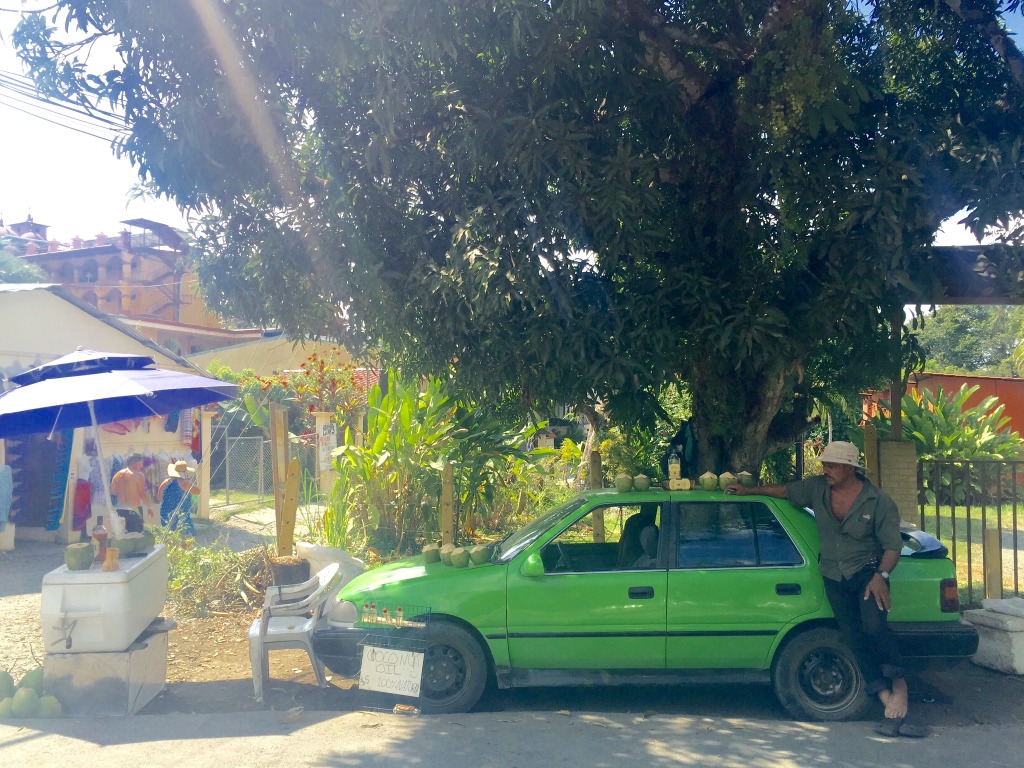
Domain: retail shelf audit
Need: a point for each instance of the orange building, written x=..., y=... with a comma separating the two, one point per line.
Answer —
x=1010, y=392
x=142, y=276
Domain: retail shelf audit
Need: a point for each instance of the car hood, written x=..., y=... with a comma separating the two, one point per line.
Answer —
x=475, y=594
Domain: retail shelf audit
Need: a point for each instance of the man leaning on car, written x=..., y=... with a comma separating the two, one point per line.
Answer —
x=859, y=528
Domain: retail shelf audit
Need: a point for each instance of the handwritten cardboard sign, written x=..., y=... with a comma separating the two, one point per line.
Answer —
x=391, y=671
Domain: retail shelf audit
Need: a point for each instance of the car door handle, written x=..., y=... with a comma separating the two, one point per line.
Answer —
x=641, y=593
x=787, y=589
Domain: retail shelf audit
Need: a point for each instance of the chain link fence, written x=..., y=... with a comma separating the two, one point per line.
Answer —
x=241, y=468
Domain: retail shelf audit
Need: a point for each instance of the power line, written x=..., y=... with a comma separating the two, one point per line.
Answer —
x=17, y=93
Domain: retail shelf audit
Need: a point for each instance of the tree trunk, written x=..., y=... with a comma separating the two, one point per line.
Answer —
x=732, y=426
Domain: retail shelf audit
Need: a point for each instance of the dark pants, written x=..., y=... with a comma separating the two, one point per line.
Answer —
x=866, y=629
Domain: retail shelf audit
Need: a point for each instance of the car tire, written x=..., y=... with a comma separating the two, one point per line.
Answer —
x=455, y=670
x=815, y=677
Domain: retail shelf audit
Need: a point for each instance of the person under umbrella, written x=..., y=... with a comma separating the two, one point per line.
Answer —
x=175, y=498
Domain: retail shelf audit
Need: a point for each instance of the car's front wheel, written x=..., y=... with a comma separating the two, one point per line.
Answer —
x=815, y=677
x=454, y=670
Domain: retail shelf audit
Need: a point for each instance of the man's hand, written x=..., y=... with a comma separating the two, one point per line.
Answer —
x=878, y=588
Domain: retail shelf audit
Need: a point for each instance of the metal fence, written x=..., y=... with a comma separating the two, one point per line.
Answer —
x=241, y=467
x=963, y=503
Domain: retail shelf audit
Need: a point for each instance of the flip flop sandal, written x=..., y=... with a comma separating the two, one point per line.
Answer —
x=896, y=726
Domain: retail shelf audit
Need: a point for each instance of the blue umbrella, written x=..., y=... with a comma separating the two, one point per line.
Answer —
x=89, y=388
x=80, y=362
x=89, y=399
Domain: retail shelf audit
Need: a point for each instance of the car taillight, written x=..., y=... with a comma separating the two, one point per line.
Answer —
x=949, y=596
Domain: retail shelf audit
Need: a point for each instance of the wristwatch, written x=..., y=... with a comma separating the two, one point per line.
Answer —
x=883, y=574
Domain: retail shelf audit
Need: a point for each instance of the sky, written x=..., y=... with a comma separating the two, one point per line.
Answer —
x=73, y=183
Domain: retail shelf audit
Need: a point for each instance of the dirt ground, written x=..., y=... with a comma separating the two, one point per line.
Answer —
x=208, y=666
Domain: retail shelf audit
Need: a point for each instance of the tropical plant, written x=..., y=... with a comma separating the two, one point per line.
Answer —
x=388, y=490
x=948, y=426
x=950, y=431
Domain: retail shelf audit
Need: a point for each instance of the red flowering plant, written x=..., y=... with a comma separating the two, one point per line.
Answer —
x=325, y=382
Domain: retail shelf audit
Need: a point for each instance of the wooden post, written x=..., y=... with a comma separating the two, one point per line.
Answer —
x=206, y=443
x=278, y=455
x=289, y=506
x=447, y=505
x=596, y=480
x=993, y=559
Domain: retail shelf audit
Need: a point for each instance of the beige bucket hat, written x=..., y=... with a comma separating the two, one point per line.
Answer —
x=840, y=452
x=180, y=468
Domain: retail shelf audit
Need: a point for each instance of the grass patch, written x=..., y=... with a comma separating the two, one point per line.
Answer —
x=962, y=529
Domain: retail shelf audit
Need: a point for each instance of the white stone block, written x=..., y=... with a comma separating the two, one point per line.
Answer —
x=1000, y=640
x=1013, y=606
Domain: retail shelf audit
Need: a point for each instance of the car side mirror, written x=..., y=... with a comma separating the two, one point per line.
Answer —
x=533, y=566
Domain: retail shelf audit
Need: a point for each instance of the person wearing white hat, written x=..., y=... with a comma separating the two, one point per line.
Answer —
x=175, y=497
x=859, y=529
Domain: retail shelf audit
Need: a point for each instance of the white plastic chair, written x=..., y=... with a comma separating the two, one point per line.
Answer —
x=290, y=624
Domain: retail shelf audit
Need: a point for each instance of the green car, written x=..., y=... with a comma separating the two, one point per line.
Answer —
x=637, y=588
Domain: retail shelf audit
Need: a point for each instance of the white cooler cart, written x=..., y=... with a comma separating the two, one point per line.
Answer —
x=106, y=648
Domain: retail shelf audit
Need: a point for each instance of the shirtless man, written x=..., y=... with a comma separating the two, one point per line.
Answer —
x=859, y=528
x=129, y=486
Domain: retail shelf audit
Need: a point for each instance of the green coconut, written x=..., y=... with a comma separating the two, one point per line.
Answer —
x=78, y=557
x=708, y=481
x=25, y=703
x=726, y=479
x=147, y=540
x=32, y=679
x=460, y=557
x=7, y=686
x=431, y=553
x=123, y=545
x=479, y=555
x=641, y=482
x=623, y=482
x=49, y=708
x=5, y=708
x=446, y=553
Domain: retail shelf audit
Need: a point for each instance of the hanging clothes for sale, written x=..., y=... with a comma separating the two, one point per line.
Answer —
x=6, y=494
x=197, y=437
x=171, y=422
x=81, y=504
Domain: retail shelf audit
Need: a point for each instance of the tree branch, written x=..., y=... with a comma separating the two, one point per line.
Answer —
x=656, y=35
x=986, y=24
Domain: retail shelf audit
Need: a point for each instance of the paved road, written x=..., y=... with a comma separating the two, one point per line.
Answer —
x=519, y=740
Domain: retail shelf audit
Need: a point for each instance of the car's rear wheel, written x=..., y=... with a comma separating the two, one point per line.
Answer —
x=454, y=670
x=815, y=677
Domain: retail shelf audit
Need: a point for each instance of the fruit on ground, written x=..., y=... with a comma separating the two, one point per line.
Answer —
x=6, y=685
x=33, y=679
x=25, y=703
x=49, y=707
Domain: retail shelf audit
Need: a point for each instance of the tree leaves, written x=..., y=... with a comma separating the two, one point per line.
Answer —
x=574, y=201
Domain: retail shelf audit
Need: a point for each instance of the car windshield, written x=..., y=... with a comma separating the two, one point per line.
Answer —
x=515, y=542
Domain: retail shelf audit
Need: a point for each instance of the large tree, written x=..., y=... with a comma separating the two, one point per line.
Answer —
x=571, y=200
